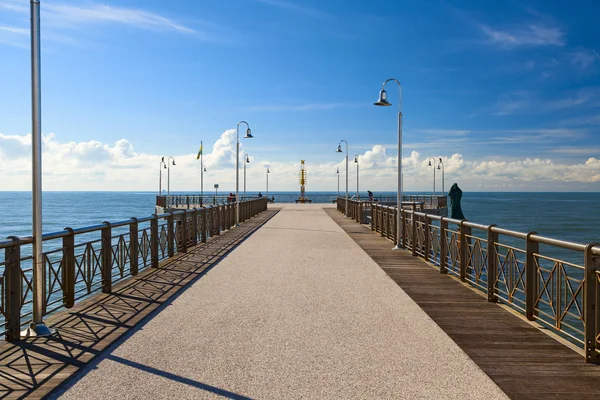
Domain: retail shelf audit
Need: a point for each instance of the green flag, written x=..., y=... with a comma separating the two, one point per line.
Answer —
x=199, y=152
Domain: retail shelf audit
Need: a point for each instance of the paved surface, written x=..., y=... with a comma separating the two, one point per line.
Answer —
x=298, y=310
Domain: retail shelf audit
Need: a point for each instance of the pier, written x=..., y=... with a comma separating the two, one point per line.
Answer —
x=298, y=302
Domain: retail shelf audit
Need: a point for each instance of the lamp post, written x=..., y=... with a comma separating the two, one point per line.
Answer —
x=338, y=175
x=433, y=165
x=268, y=172
x=356, y=161
x=160, y=168
x=38, y=326
x=339, y=150
x=246, y=161
x=237, y=168
x=382, y=101
x=442, y=164
x=169, y=174
x=202, y=169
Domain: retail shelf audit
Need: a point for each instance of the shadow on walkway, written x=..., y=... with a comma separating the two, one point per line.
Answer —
x=34, y=368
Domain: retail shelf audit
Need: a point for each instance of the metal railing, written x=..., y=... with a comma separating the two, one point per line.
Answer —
x=189, y=201
x=360, y=210
x=553, y=282
x=79, y=262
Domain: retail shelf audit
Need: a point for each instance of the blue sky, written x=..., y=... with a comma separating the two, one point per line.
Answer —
x=507, y=93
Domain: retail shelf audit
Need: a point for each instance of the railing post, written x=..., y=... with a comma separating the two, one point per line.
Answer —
x=154, y=241
x=170, y=235
x=404, y=230
x=217, y=217
x=195, y=227
x=413, y=228
x=68, y=268
x=373, y=218
x=443, y=246
x=106, y=258
x=14, y=290
x=464, y=249
x=183, y=235
x=427, y=238
x=133, y=247
x=204, y=224
x=492, y=264
x=383, y=221
x=591, y=299
x=188, y=201
x=395, y=225
x=531, y=279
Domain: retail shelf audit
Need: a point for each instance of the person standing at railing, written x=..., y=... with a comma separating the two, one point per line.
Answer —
x=370, y=195
x=455, y=195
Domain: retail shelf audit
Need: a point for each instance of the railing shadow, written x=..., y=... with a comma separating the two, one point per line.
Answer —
x=36, y=366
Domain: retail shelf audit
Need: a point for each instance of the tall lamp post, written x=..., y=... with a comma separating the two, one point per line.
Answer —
x=237, y=168
x=268, y=172
x=38, y=326
x=246, y=161
x=338, y=175
x=356, y=162
x=433, y=165
x=160, y=168
x=202, y=171
x=339, y=150
x=442, y=164
x=382, y=101
x=169, y=174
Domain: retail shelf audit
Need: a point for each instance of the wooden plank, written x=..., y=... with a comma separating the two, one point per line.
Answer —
x=34, y=368
x=522, y=360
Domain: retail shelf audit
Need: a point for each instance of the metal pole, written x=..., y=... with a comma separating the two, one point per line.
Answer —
x=357, y=179
x=244, y=176
x=160, y=178
x=38, y=327
x=267, y=183
x=169, y=176
x=433, y=177
x=346, y=179
x=201, y=175
x=399, y=205
x=338, y=174
x=237, y=171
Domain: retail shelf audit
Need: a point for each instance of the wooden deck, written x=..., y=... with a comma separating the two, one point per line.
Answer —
x=34, y=368
x=522, y=360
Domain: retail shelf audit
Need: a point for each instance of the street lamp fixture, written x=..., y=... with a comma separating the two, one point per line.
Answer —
x=433, y=165
x=268, y=172
x=237, y=168
x=339, y=150
x=170, y=161
x=442, y=164
x=338, y=175
x=162, y=166
x=356, y=162
x=246, y=161
x=383, y=101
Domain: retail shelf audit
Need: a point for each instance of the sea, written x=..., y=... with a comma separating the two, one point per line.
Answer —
x=572, y=217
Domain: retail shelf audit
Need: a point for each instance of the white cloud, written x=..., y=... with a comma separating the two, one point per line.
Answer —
x=94, y=165
x=584, y=58
x=300, y=107
x=528, y=36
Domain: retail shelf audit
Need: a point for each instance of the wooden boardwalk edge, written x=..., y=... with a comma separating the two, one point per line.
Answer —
x=522, y=360
x=35, y=368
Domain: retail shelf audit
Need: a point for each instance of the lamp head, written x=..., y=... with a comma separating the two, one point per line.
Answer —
x=430, y=163
x=356, y=158
x=247, y=158
x=204, y=169
x=382, y=99
x=164, y=165
x=339, y=149
x=441, y=160
x=162, y=160
x=268, y=172
x=248, y=134
x=173, y=161
x=338, y=170
x=439, y=166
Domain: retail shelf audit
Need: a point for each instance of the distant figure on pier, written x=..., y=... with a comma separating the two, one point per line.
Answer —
x=370, y=195
x=259, y=194
x=273, y=199
x=455, y=195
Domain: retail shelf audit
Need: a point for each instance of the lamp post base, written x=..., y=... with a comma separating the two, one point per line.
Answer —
x=37, y=330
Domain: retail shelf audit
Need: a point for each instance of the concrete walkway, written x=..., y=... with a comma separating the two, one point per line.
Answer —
x=298, y=310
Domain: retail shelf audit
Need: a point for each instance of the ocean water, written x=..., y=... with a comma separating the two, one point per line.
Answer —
x=567, y=216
